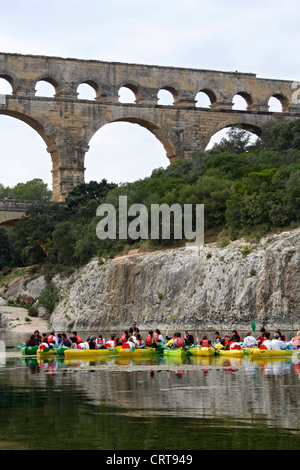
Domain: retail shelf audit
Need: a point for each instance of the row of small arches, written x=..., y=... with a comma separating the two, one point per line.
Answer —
x=126, y=95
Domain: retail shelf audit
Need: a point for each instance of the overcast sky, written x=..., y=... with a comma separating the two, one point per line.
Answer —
x=259, y=36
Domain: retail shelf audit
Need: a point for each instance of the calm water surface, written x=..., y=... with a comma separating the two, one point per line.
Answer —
x=148, y=405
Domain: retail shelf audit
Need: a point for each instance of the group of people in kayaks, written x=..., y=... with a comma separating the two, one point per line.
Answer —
x=133, y=339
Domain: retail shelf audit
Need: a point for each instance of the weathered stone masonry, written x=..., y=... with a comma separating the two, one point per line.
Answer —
x=67, y=124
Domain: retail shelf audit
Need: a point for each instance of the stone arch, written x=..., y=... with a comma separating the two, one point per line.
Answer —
x=211, y=96
x=54, y=143
x=282, y=98
x=134, y=88
x=93, y=84
x=50, y=80
x=171, y=89
x=169, y=139
x=246, y=124
x=247, y=97
x=12, y=80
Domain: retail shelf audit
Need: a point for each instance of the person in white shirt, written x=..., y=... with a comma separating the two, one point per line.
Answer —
x=267, y=342
x=277, y=344
x=249, y=341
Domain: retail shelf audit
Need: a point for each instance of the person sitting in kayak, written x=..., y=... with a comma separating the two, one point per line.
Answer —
x=100, y=342
x=150, y=341
x=178, y=341
x=235, y=333
x=204, y=342
x=217, y=338
x=130, y=344
x=43, y=344
x=261, y=338
x=249, y=341
x=76, y=338
x=124, y=337
x=266, y=344
x=31, y=341
x=140, y=340
x=234, y=342
x=37, y=337
x=296, y=341
x=277, y=343
x=158, y=336
x=281, y=336
x=66, y=340
x=52, y=340
x=189, y=338
x=111, y=343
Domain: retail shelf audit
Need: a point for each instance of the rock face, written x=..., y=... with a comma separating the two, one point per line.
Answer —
x=181, y=288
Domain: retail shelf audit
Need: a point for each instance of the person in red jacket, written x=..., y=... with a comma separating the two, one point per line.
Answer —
x=178, y=341
x=150, y=341
x=261, y=338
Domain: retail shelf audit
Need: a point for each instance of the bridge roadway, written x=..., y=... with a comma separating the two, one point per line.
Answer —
x=12, y=210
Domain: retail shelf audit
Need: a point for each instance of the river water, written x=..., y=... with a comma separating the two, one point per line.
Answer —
x=159, y=404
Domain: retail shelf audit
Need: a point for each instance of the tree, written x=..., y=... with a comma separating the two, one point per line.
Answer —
x=84, y=192
x=33, y=190
x=5, y=254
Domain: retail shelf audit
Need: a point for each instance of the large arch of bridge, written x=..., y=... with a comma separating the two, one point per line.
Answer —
x=166, y=136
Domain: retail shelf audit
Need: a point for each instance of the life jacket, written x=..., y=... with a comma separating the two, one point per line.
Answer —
x=156, y=337
x=124, y=338
x=296, y=342
x=180, y=342
x=110, y=344
x=42, y=346
x=78, y=339
x=100, y=341
x=205, y=343
x=262, y=346
x=50, y=339
x=235, y=345
x=126, y=346
x=149, y=340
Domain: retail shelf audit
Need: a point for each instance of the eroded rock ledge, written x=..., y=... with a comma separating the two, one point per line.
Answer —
x=180, y=288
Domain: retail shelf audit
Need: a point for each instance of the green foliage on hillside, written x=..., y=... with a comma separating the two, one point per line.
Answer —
x=248, y=189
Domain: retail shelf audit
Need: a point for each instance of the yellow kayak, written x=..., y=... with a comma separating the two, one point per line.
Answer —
x=140, y=353
x=88, y=353
x=260, y=353
x=230, y=352
x=46, y=352
x=202, y=352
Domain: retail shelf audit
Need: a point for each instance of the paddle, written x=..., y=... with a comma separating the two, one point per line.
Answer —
x=253, y=326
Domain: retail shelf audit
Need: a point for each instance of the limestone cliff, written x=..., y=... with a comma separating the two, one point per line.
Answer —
x=182, y=288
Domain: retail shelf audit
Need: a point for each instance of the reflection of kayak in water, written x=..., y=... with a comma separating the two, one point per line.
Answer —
x=202, y=352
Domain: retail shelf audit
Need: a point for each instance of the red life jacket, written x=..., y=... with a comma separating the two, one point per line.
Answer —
x=78, y=339
x=149, y=340
x=263, y=346
x=236, y=346
x=205, y=343
x=156, y=337
x=124, y=338
x=100, y=341
x=50, y=339
x=125, y=346
x=180, y=342
x=108, y=345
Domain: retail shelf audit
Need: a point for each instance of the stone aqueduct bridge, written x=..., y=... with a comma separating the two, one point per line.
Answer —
x=67, y=123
